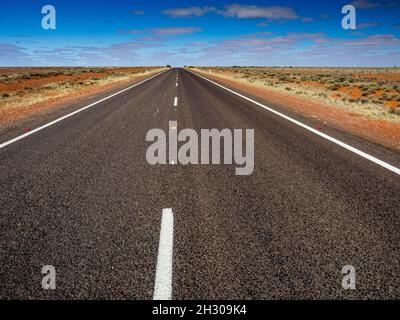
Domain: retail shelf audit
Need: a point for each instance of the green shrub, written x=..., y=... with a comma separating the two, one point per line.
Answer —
x=395, y=111
x=334, y=87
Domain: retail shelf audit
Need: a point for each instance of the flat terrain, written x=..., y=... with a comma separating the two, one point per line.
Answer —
x=374, y=92
x=80, y=195
x=25, y=91
x=358, y=111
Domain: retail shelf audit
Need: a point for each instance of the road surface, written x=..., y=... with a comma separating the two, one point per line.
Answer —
x=79, y=195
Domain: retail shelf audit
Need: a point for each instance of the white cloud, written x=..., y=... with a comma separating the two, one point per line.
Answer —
x=137, y=12
x=307, y=19
x=174, y=31
x=375, y=41
x=367, y=25
x=303, y=49
x=365, y=4
x=166, y=31
x=262, y=25
x=13, y=55
x=272, y=13
x=189, y=12
x=198, y=44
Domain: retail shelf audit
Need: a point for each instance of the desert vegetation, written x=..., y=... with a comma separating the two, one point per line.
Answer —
x=24, y=87
x=374, y=92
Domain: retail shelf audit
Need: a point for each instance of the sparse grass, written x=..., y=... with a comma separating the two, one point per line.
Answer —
x=22, y=87
x=374, y=92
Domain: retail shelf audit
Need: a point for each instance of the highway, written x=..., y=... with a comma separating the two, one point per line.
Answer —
x=80, y=195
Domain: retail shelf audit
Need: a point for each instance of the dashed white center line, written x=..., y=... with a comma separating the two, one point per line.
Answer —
x=163, y=283
x=176, y=102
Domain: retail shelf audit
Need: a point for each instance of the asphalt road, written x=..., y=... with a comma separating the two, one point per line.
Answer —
x=80, y=195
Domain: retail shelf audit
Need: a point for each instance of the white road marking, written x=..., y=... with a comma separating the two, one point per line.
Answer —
x=73, y=113
x=176, y=102
x=319, y=133
x=177, y=84
x=163, y=283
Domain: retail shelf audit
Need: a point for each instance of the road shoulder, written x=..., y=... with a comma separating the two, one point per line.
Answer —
x=377, y=131
x=38, y=115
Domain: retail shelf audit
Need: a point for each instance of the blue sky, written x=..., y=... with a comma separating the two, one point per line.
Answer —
x=260, y=33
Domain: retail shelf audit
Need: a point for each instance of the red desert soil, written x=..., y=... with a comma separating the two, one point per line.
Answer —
x=13, y=114
x=34, y=83
x=381, y=76
x=378, y=131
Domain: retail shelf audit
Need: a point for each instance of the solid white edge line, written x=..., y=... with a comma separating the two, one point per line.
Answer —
x=4, y=144
x=163, y=282
x=321, y=134
x=176, y=102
